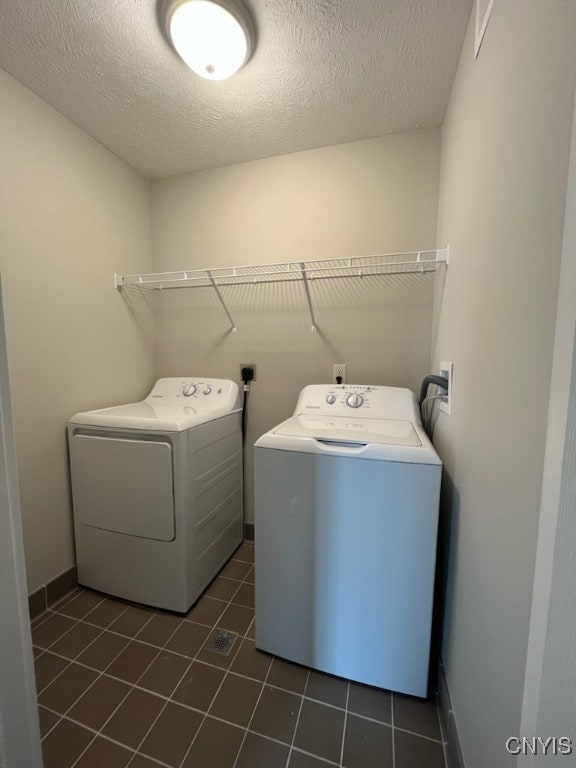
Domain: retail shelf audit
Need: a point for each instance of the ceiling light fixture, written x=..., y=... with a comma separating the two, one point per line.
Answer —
x=213, y=37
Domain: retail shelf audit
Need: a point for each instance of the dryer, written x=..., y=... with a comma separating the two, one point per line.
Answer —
x=157, y=491
x=346, y=516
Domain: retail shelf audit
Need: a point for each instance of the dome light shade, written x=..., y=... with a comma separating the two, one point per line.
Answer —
x=213, y=37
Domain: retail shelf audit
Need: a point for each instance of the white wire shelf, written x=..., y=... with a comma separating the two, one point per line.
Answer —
x=301, y=271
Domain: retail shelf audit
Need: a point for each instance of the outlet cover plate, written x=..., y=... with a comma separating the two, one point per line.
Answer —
x=339, y=369
x=445, y=405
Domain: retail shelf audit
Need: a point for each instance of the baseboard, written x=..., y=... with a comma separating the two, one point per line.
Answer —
x=53, y=591
x=37, y=602
x=249, y=531
x=454, y=758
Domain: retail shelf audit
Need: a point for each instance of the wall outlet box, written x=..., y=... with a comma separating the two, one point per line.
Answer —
x=445, y=405
x=339, y=371
x=248, y=365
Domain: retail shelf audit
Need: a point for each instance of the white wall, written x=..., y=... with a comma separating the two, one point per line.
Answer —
x=355, y=199
x=505, y=146
x=72, y=215
x=549, y=706
x=19, y=725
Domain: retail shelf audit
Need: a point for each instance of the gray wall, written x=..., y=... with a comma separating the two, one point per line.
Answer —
x=557, y=707
x=505, y=144
x=73, y=214
x=354, y=199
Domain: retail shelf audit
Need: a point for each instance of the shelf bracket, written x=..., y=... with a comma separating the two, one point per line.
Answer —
x=308, y=296
x=217, y=289
x=443, y=254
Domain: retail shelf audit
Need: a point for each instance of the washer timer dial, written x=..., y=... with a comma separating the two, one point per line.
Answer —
x=354, y=400
x=189, y=390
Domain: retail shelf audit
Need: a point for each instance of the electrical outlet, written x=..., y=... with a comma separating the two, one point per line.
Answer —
x=248, y=365
x=445, y=405
x=339, y=370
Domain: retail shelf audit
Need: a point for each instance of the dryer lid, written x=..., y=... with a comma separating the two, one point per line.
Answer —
x=173, y=405
x=143, y=415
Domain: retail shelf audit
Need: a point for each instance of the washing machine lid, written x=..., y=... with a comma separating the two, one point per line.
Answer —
x=349, y=430
x=173, y=405
x=379, y=439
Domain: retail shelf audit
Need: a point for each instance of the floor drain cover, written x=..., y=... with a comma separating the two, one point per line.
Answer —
x=221, y=641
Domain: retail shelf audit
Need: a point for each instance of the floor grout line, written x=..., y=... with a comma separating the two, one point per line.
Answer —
x=84, y=750
x=150, y=759
x=297, y=721
x=247, y=729
x=345, y=723
x=320, y=759
x=420, y=735
x=49, y=731
x=76, y=597
x=60, y=637
x=62, y=601
x=392, y=722
x=41, y=690
x=152, y=727
x=211, y=701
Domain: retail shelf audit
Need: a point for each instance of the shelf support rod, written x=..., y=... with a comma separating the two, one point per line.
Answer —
x=308, y=296
x=215, y=286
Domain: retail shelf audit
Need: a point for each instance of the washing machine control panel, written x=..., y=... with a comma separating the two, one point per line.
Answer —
x=355, y=400
x=335, y=398
x=366, y=401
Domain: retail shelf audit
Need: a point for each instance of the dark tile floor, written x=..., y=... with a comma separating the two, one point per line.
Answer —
x=121, y=685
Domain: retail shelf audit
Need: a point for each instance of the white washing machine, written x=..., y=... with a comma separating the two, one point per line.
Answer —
x=346, y=516
x=157, y=491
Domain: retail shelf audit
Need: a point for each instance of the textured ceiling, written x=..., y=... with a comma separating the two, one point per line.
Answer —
x=324, y=72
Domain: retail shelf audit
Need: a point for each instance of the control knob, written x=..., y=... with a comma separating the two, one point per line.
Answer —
x=189, y=390
x=354, y=400
x=207, y=389
x=331, y=398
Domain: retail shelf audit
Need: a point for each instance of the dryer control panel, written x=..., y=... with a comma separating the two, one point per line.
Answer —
x=365, y=401
x=201, y=394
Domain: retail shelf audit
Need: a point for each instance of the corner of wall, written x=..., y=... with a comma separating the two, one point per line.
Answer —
x=452, y=749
